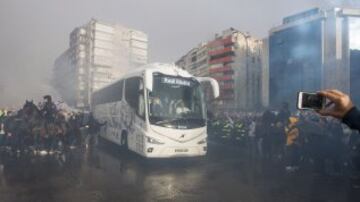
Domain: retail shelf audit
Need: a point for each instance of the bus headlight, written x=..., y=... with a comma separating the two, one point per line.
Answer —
x=153, y=140
x=203, y=141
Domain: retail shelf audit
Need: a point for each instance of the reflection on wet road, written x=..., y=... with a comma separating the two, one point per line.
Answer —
x=110, y=174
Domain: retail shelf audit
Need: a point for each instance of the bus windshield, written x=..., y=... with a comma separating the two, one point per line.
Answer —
x=176, y=102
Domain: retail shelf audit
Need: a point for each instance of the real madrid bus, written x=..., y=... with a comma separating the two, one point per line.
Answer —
x=157, y=111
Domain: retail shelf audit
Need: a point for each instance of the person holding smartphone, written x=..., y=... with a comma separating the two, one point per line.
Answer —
x=340, y=107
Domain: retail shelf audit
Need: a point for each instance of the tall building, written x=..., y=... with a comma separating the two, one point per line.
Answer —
x=354, y=45
x=65, y=79
x=196, y=60
x=312, y=51
x=98, y=54
x=234, y=60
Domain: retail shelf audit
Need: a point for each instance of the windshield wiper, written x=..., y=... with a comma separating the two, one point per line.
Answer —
x=167, y=121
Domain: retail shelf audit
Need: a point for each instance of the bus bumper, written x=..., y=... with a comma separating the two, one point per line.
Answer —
x=170, y=152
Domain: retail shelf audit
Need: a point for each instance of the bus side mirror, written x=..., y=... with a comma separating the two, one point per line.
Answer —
x=149, y=80
x=214, y=84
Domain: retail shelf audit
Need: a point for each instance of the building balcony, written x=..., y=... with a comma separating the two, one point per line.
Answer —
x=221, y=60
x=221, y=42
x=221, y=51
x=227, y=86
x=224, y=78
x=226, y=96
x=220, y=69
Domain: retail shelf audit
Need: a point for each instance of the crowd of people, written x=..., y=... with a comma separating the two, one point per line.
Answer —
x=44, y=128
x=293, y=139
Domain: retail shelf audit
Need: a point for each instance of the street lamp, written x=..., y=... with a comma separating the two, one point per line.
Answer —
x=246, y=37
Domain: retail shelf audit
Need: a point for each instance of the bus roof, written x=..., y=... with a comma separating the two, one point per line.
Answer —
x=164, y=68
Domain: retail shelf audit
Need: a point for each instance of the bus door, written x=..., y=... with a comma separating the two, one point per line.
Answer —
x=134, y=96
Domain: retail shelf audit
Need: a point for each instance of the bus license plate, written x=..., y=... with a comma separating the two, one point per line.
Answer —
x=181, y=150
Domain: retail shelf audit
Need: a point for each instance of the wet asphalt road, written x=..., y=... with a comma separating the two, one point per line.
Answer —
x=110, y=174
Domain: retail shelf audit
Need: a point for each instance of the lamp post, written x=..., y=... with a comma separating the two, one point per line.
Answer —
x=247, y=98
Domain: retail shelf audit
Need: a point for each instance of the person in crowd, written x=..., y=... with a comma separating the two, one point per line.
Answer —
x=284, y=114
x=292, y=145
x=336, y=144
x=94, y=127
x=74, y=133
x=252, y=137
x=240, y=130
x=49, y=109
x=341, y=107
x=210, y=115
x=2, y=134
x=3, y=115
x=282, y=120
x=278, y=138
x=321, y=145
x=2, y=118
x=181, y=108
x=227, y=127
x=259, y=137
x=310, y=135
x=267, y=125
x=156, y=107
x=48, y=112
x=2, y=126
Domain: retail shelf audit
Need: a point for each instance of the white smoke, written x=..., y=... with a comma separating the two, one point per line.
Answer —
x=342, y=3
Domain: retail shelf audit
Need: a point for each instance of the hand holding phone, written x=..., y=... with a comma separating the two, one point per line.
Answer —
x=342, y=104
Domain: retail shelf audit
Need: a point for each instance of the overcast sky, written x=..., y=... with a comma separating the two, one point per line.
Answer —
x=34, y=32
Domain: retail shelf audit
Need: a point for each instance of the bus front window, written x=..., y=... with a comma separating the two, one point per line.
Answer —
x=176, y=102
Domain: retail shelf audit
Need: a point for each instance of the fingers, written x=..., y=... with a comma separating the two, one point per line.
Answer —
x=332, y=95
x=329, y=104
x=333, y=92
x=337, y=92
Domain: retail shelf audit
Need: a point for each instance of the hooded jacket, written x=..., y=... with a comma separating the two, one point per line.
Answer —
x=352, y=119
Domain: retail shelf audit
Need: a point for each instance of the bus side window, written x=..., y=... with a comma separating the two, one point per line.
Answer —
x=133, y=95
x=141, y=105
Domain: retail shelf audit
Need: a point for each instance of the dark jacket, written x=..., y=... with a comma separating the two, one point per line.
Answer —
x=284, y=116
x=352, y=119
x=94, y=125
x=49, y=111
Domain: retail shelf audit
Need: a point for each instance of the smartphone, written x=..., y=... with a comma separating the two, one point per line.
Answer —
x=310, y=101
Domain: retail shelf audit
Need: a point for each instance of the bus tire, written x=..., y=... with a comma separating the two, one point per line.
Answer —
x=124, y=140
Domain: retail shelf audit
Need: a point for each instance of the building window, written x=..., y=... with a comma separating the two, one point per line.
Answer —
x=193, y=59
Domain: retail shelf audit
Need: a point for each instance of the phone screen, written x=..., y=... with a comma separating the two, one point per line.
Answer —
x=312, y=101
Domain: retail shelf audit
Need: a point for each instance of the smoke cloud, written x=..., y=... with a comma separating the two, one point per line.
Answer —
x=33, y=33
x=346, y=3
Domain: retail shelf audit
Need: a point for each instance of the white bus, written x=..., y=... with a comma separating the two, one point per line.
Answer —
x=157, y=111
